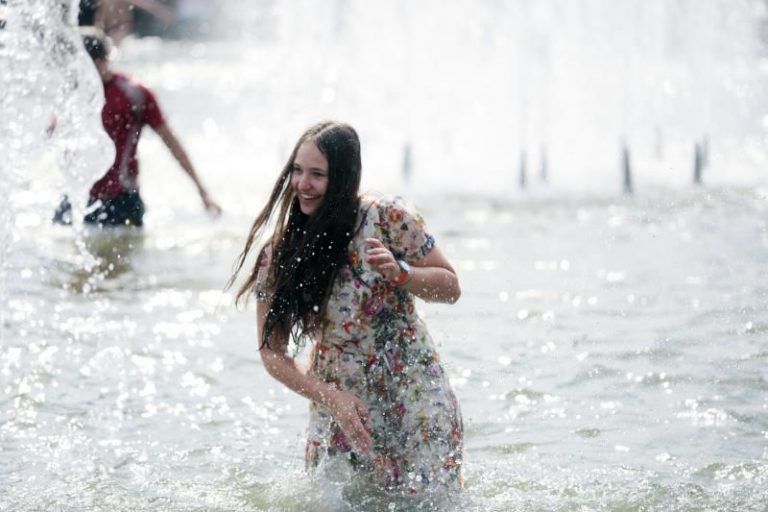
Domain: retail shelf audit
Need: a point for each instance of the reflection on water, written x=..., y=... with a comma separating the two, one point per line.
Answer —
x=114, y=250
x=92, y=259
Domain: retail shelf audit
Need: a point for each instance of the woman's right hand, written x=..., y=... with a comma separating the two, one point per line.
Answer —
x=352, y=417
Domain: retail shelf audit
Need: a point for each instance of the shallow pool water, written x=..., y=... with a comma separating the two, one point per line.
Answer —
x=608, y=355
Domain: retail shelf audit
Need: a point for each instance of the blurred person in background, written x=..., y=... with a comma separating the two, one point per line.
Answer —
x=129, y=106
x=116, y=17
x=194, y=19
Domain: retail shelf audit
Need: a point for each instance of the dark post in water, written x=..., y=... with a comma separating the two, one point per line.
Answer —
x=544, y=169
x=626, y=166
x=523, y=171
x=407, y=163
x=698, y=163
x=700, y=159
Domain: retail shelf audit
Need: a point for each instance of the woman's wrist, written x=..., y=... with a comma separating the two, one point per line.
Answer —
x=327, y=395
x=405, y=275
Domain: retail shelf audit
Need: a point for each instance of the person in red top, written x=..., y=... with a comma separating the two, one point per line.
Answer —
x=129, y=106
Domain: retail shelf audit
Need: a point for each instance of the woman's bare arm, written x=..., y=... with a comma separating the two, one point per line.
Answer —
x=178, y=152
x=348, y=411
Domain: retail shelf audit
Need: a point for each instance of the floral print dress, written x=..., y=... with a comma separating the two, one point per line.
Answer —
x=375, y=346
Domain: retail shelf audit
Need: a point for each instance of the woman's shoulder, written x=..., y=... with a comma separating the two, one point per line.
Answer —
x=375, y=201
x=391, y=213
x=370, y=200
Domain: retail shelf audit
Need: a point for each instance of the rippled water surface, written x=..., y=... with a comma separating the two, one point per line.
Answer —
x=608, y=355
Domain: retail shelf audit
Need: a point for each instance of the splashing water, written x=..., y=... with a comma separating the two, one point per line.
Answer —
x=52, y=99
x=51, y=138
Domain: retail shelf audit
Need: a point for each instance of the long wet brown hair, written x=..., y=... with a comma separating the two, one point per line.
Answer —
x=307, y=250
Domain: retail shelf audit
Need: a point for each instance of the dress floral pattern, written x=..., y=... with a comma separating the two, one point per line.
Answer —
x=375, y=346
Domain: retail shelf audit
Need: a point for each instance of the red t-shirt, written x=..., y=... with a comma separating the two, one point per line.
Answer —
x=127, y=108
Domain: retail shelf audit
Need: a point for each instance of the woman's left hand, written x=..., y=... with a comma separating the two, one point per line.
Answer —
x=381, y=259
x=435, y=282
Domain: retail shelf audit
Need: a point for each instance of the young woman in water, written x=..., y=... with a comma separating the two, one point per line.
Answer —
x=342, y=270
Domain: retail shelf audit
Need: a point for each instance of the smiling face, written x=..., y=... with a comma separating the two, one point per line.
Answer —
x=309, y=177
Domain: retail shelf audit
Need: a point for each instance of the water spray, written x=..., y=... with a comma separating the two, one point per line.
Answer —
x=52, y=137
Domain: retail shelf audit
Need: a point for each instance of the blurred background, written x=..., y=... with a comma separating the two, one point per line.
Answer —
x=490, y=87
x=595, y=169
